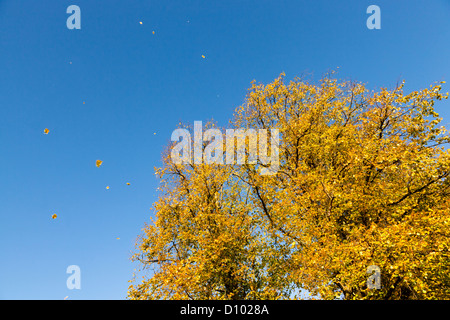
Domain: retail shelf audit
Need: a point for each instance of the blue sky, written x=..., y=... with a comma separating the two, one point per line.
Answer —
x=104, y=90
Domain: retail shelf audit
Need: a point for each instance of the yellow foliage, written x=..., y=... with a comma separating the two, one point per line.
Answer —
x=363, y=180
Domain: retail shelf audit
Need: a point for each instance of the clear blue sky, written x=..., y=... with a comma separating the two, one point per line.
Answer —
x=134, y=83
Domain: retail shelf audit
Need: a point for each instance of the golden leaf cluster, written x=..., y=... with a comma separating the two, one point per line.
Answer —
x=363, y=180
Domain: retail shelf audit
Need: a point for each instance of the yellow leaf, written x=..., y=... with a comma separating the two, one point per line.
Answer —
x=46, y=131
x=54, y=216
x=98, y=163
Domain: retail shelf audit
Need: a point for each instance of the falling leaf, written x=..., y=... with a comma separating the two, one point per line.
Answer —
x=203, y=56
x=153, y=32
x=46, y=131
x=98, y=163
x=117, y=238
x=54, y=216
x=140, y=22
x=107, y=187
x=128, y=183
x=66, y=297
x=154, y=132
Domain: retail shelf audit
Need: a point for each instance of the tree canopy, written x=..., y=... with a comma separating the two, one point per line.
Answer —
x=363, y=180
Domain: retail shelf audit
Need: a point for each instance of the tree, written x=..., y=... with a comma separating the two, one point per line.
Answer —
x=363, y=181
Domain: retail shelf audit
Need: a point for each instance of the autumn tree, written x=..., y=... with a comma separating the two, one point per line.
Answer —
x=363, y=181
